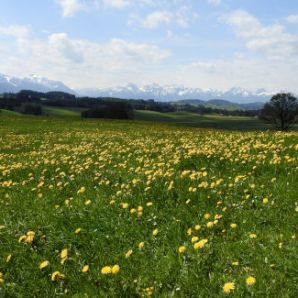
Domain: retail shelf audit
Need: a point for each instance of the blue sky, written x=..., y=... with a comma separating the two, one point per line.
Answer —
x=197, y=43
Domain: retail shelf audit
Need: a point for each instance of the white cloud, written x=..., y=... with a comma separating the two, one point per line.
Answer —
x=293, y=19
x=70, y=7
x=182, y=17
x=80, y=62
x=273, y=41
x=157, y=18
x=214, y=2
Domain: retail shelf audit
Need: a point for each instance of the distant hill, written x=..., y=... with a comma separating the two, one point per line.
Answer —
x=221, y=104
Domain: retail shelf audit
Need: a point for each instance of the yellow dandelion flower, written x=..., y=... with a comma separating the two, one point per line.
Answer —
x=106, y=270
x=8, y=258
x=200, y=244
x=141, y=245
x=149, y=204
x=182, y=249
x=115, y=269
x=228, y=287
x=78, y=230
x=194, y=239
x=81, y=190
x=85, y=269
x=265, y=201
x=197, y=227
x=252, y=236
x=210, y=224
x=56, y=276
x=124, y=205
x=250, y=280
x=88, y=202
x=64, y=253
x=44, y=264
x=233, y=225
x=155, y=232
x=207, y=215
x=236, y=263
x=128, y=254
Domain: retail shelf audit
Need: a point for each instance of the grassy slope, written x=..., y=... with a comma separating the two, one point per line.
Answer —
x=62, y=112
x=45, y=161
x=208, y=121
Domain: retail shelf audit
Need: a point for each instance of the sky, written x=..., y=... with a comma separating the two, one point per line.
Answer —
x=216, y=44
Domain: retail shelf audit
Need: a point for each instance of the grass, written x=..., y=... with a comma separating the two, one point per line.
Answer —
x=62, y=112
x=119, y=181
x=206, y=121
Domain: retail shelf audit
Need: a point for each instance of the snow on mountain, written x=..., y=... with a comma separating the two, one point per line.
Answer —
x=173, y=93
x=132, y=91
x=33, y=82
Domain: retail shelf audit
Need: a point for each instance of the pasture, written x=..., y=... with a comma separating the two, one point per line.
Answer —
x=101, y=208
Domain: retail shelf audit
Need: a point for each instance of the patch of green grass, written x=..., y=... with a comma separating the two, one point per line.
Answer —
x=119, y=181
x=62, y=111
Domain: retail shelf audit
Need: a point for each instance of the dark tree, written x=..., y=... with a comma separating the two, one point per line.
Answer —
x=282, y=111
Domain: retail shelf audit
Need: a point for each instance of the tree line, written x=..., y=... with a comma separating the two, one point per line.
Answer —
x=31, y=102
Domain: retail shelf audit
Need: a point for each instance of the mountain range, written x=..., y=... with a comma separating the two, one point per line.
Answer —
x=132, y=91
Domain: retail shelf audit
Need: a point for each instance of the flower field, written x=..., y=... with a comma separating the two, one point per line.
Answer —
x=132, y=209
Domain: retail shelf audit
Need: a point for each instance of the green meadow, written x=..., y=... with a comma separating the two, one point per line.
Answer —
x=174, y=207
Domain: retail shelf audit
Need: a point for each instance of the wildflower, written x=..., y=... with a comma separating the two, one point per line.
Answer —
x=115, y=269
x=200, y=244
x=44, y=264
x=81, y=190
x=155, y=232
x=141, y=245
x=124, y=205
x=228, y=287
x=1, y=278
x=106, y=270
x=88, y=202
x=252, y=236
x=197, y=227
x=85, y=269
x=128, y=254
x=233, y=225
x=250, y=280
x=56, y=276
x=182, y=249
x=207, y=215
x=8, y=258
x=236, y=263
x=194, y=239
x=149, y=204
x=210, y=224
x=265, y=201
x=64, y=255
x=78, y=230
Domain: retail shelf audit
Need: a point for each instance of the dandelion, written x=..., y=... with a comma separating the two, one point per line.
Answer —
x=8, y=258
x=200, y=244
x=252, y=236
x=56, y=276
x=128, y=254
x=115, y=269
x=182, y=249
x=250, y=280
x=197, y=227
x=85, y=269
x=233, y=225
x=207, y=215
x=265, y=201
x=228, y=287
x=210, y=224
x=44, y=264
x=155, y=232
x=149, y=204
x=124, y=205
x=64, y=255
x=1, y=278
x=77, y=230
x=194, y=239
x=88, y=202
x=81, y=190
x=141, y=245
x=106, y=270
